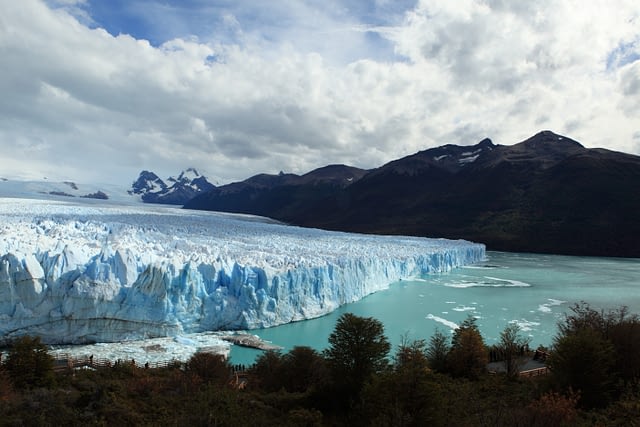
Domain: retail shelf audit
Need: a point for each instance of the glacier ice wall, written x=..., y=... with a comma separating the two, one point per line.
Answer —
x=90, y=272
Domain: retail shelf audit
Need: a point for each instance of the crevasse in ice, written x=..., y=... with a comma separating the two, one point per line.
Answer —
x=88, y=272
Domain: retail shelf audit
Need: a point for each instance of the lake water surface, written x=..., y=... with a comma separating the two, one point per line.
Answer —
x=533, y=290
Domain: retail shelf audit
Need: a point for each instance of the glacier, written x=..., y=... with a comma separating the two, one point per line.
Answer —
x=74, y=272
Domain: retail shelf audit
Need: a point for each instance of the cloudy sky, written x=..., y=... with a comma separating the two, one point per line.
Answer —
x=97, y=90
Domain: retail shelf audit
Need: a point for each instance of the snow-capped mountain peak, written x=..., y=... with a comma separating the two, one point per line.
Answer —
x=189, y=174
x=148, y=182
x=176, y=191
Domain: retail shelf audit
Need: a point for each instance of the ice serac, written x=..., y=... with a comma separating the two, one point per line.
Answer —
x=76, y=273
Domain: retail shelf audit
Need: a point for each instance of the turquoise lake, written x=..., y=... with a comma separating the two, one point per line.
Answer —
x=532, y=290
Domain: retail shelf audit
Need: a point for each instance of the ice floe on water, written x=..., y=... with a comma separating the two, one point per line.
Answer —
x=483, y=267
x=448, y=323
x=463, y=308
x=525, y=325
x=508, y=283
x=489, y=282
x=546, y=307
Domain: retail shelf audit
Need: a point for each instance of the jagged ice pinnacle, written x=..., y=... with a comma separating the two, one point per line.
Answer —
x=74, y=272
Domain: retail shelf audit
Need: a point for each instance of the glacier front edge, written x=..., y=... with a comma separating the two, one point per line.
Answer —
x=83, y=272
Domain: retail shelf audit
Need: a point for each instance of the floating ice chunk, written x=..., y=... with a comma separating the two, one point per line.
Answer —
x=492, y=282
x=445, y=322
x=546, y=307
x=510, y=283
x=525, y=325
x=463, y=308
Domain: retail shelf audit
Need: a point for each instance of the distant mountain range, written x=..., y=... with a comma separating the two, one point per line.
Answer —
x=52, y=189
x=546, y=194
x=176, y=191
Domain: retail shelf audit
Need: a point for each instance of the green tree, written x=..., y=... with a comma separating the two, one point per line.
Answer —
x=625, y=337
x=412, y=355
x=404, y=395
x=6, y=387
x=437, y=351
x=583, y=361
x=413, y=391
x=609, y=338
x=585, y=317
x=267, y=373
x=358, y=349
x=468, y=355
x=29, y=364
x=210, y=368
x=303, y=368
x=511, y=348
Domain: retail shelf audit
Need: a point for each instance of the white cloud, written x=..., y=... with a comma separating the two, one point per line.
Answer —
x=76, y=8
x=251, y=96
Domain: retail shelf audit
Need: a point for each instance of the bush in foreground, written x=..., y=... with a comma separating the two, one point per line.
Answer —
x=29, y=364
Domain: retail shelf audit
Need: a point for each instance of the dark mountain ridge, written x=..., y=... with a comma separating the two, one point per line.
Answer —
x=278, y=196
x=546, y=194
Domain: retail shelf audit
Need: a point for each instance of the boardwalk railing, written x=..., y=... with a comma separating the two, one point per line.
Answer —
x=534, y=372
x=66, y=361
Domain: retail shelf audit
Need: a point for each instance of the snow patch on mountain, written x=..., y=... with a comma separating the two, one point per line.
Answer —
x=82, y=272
x=460, y=154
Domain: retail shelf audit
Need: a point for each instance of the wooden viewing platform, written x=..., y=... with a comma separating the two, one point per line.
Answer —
x=530, y=367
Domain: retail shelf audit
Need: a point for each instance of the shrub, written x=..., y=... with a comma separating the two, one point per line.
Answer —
x=597, y=353
x=267, y=373
x=552, y=409
x=210, y=368
x=29, y=364
x=302, y=369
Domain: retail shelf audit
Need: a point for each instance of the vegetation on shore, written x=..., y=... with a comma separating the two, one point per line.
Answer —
x=594, y=379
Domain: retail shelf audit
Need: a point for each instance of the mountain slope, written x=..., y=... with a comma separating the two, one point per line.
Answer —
x=545, y=194
x=280, y=196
